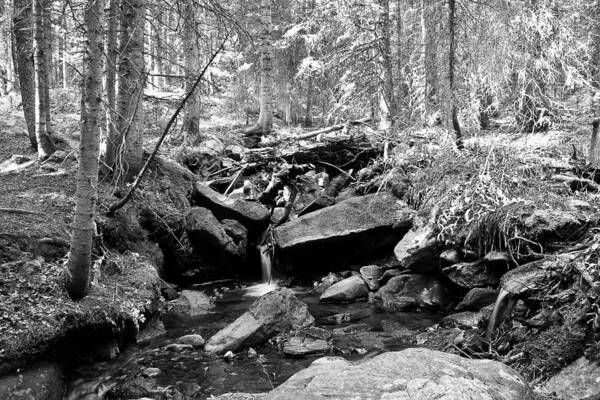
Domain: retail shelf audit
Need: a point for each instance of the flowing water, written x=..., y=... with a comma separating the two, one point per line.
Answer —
x=496, y=311
x=206, y=375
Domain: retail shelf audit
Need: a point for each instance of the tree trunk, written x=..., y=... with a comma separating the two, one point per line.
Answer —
x=45, y=147
x=23, y=60
x=191, y=118
x=309, y=99
x=594, y=155
x=47, y=32
x=265, y=117
x=401, y=85
x=159, y=53
x=419, y=89
x=79, y=262
x=131, y=79
x=451, y=68
x=65, y=52
x=387, y=102
x=112, y=136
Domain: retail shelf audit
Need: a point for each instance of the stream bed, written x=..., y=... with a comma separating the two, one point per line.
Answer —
x=146, y=367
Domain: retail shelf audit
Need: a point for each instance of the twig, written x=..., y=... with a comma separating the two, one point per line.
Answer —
x=337, y=168
x=117, y=205
x=18, y=211
x=235, y=178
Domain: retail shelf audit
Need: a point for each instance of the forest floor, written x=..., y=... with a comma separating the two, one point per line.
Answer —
x=36, y=204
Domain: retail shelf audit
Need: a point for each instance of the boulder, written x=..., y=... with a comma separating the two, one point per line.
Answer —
x=579, y=380
x=192, y=303
x=404, y=291
x=470, y=275
x=298, y=346
x=418, y=250
x=270, y=314
x=210, y=237
x=528, y=277
x=327, y=282
x=477, y=298
x=388, y=274
x=415, y=374
x=39, y=382
x=346, y=233
x=251, y=214
x=345, y=291
x=371, y=275
x=449, y=257
x=238, y=232
x=193, y=340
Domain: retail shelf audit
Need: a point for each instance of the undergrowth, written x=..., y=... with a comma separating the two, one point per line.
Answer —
x=478, y=198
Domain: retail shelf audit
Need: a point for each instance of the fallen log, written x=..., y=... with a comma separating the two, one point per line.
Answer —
x=332, y=128
x=576, y=183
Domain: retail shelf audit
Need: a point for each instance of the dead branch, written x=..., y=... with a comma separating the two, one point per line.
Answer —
x=18, y=211
x=333, y=128
x=117, y=205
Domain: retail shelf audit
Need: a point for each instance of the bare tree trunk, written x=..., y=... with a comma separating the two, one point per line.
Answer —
x=112, y=136
x=420, y=74
x=159, y=53
x=400, y=62
x=45, y=146
x=47, y=32
x=22, y=45
x=309, y=99
x=451, y=68
x=79, y=262
x=131, y=79
x=594, y=154
x=387, y=101
x=65, y=55
x=191, y=118
x=265, y=118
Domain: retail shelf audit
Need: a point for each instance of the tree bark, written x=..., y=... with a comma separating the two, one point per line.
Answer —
x=387, y=101
x=265, y=117
x=47, y=32
x=112, y=136
x=131, y=79
x=191, y=117
x=45, y=147
x=594, y=154
x=64, y=52
x=451, y=69
x=309, y=100
x=79, y=261
x=158, y=54
x=419, y=95
x=22, y=45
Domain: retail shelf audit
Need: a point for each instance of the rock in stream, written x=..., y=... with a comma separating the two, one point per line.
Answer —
x=270, y=314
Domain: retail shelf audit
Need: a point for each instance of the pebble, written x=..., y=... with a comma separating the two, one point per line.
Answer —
x=252, y=353
x=151, y=372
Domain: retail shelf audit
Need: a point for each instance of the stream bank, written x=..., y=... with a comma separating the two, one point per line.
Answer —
x=430, y=231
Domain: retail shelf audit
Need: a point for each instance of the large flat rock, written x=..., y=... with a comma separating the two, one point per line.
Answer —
x=345, y=233
x=415, y=374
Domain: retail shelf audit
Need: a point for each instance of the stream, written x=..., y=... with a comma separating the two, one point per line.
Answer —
x=199, y=375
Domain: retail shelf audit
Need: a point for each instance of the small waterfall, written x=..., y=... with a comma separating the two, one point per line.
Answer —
x=265, y=263
x=493, y=318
